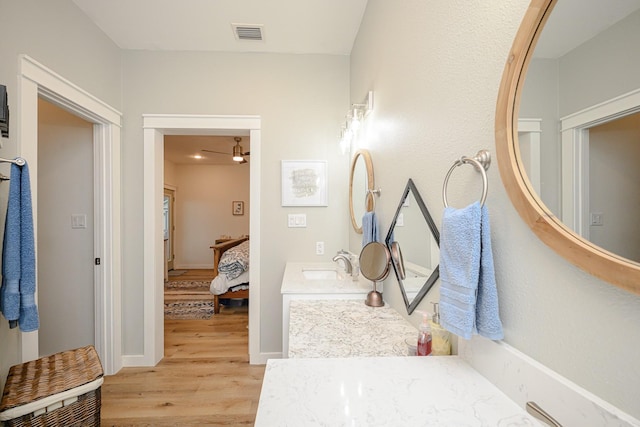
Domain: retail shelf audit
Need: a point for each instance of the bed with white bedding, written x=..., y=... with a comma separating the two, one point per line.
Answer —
x=231, y=270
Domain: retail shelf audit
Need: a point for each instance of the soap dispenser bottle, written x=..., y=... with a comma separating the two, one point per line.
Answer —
x=424, y=336
x=441, y=337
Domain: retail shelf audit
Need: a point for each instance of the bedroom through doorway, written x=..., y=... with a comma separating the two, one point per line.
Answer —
x=205, y=204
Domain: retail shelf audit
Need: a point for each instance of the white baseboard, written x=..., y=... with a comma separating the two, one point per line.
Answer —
x=261, y=358
x=524, y=379
x=194, y=267
x=135, y=360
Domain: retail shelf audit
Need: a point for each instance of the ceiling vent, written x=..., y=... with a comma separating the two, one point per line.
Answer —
x=247, y=32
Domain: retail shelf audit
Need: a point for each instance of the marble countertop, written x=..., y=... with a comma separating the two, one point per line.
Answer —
x=385, y=391
x=346, y=328
x=294, y=282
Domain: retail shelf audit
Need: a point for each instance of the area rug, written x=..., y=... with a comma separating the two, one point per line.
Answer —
x=187, y=286
x=188, y=299
x=188, y=309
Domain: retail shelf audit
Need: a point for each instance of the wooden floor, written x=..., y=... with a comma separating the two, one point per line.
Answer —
x=200, y=274
x=204, y=379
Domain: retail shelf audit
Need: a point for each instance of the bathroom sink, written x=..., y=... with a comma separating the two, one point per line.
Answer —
x=320, y=274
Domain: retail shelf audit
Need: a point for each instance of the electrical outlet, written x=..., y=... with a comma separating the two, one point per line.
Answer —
x=319, y=248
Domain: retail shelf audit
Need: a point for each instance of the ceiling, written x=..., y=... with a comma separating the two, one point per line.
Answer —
x=289, y=26
x=572, y=22
x=181, y=149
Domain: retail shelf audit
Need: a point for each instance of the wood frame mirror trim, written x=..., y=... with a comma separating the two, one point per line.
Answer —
x=603, y=264
x=370, y=202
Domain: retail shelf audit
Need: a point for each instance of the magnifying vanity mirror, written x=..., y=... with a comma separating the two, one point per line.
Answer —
x=413, y=241
x=374, y=265
x=559, y=98
x=361, y=185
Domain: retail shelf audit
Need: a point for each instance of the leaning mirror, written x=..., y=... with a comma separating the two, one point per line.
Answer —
x=413, y=240
x=361, y=185
x=569, y=79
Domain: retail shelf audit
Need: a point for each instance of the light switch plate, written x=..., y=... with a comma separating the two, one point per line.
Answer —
x=296, y=220
x=78, y=221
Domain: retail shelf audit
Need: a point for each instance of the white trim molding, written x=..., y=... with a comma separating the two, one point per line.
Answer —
x=36, y=80
x=574, y=133
x=155, y=127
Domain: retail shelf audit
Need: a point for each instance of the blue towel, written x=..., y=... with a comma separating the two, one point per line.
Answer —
x=17, y=295
x=468, y=294
x=370, y=228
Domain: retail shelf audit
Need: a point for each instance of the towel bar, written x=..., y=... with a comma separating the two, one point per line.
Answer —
x=481, y=162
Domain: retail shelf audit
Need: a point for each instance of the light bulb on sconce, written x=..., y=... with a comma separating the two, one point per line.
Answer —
x=345, y=139
x=354, y=118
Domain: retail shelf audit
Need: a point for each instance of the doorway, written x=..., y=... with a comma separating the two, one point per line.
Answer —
x=65, y=244
x=37, y=81
x=155, y=127
x=169, y=228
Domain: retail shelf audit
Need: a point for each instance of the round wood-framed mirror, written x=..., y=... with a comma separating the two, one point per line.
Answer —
x=548, y=227
x=361, y=185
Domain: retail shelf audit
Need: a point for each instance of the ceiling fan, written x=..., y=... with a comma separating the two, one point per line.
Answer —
x=238, y=153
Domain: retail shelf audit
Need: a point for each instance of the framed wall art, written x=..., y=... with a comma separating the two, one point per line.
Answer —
x=237, y=207
x=304, y=183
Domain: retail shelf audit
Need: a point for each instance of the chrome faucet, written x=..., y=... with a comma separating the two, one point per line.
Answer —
x=344, y=256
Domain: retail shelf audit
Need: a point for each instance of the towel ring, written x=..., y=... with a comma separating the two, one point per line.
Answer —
x=370, y=200
x=18, y=161
x=481, y=162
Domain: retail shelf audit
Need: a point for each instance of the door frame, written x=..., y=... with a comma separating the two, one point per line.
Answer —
x=574, y=134
x=35, y=80
x=155, y=126
x=170, y=190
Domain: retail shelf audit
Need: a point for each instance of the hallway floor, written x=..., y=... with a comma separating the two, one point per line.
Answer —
x=204, y=379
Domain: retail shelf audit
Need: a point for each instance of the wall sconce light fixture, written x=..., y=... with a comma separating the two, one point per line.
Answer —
x=353, y=122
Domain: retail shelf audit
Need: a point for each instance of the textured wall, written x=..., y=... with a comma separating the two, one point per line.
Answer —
x=435, y=68
x=58, y=35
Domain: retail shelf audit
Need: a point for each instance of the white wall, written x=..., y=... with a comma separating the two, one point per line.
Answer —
x=170, y=177
x=301, y=99
x=65, y=255
x=435, y=68
x=203, y=210
x=600, y=69
x=81, y=53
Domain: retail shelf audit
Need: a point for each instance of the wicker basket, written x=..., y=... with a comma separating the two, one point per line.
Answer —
x=58, y=390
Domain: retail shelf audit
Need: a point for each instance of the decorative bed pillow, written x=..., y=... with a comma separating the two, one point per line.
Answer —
x=235, y=260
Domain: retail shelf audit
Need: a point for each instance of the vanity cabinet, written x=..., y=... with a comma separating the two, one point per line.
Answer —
x=295, y=286
x=346, y=328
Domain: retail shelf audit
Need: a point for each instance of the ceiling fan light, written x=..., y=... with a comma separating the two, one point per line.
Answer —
x=237, y=153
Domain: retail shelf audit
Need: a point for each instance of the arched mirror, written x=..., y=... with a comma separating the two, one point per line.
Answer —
x=361, y=185
x=413, y=241
x=570, y=76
